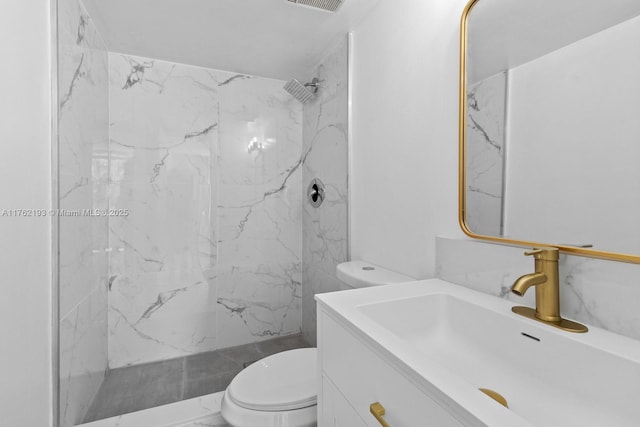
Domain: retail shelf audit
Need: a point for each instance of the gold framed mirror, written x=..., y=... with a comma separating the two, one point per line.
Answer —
x=549, y=126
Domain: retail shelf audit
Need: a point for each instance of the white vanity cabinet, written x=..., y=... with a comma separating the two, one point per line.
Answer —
x=354, y=375
x=335, y=410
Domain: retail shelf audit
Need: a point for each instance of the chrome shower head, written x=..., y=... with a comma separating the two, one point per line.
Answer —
x=302, y=92
x=330, y=5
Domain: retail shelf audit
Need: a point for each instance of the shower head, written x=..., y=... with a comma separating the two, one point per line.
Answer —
x=330, y=5
x=302, y=92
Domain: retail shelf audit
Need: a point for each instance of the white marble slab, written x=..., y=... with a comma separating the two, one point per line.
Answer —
x=83, y=351
x=486, y=127
x=259, y=302
x=83, y=240
x=208, y=164
x=260, y=131
x=597, y=292
x=325, y=148
x=164, y=120
x=259, y=203
x=199, y=411
x=82, y=150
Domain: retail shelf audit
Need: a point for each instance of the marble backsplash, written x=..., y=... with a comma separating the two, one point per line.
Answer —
x=324, y=232
x=593, y=291
x=83, y=139
x=486, y=125
x=208, y=165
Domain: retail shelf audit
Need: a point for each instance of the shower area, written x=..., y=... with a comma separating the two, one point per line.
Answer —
x=187, y=247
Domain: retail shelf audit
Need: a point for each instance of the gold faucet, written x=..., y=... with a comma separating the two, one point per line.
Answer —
x=545, y=279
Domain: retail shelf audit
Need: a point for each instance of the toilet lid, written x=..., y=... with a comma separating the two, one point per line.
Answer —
x=281, y=382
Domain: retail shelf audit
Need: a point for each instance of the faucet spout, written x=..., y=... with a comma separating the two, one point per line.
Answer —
x=523, y=283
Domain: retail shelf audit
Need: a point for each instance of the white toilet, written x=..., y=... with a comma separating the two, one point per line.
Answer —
x=281, y=390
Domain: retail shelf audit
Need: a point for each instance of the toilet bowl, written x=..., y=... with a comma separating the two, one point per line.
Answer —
x=281, y=390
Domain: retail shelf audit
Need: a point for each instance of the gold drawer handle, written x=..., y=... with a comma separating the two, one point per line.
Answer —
x=378, y=412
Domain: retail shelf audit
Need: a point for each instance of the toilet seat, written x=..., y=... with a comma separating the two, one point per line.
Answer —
x=277, y=391
x=281, y=382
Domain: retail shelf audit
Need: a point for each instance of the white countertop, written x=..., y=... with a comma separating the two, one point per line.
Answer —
x=450, y=390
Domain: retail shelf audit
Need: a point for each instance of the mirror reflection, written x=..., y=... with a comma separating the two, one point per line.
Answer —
x=553, y=122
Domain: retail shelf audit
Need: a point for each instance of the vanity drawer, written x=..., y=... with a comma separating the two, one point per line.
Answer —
x=364, y=378
x=336, y=410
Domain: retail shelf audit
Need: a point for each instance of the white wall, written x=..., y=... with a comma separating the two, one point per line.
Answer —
x=25, y=157
x=405, y=133
x=573, y=127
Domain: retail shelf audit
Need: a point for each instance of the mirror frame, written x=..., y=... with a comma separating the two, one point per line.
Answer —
x=592, y=253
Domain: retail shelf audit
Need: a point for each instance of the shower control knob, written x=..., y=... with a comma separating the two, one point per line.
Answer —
x=315, y=193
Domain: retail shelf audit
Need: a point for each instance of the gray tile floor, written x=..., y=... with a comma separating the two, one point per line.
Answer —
x=144, y=386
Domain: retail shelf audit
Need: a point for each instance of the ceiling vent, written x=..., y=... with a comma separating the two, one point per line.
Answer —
x=330, y=5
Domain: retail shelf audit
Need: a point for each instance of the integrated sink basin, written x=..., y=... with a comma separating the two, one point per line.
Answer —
x=460, y=340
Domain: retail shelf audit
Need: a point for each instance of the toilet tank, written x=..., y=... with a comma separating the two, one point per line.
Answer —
x=361, y=274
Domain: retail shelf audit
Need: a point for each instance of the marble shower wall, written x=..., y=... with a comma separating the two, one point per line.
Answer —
x=260, y=211
x=324, y=230
x=597, y=292
x=83, y=176
x=207, y=165
x=486, y=124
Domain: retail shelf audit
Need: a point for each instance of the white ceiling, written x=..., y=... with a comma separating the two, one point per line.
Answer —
x=506, y=33
x=271, y=38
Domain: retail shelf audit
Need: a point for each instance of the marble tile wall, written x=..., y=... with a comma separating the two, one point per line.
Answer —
x=260, y=212
x=597, y=292
x=486, y=124
x=325, y=148
x=208, y=166
x=83, y=177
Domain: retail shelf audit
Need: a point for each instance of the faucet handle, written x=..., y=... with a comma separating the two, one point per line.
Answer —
x=549, y=254
x=533, y=252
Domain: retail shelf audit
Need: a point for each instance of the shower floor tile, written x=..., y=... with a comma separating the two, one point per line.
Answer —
x=138, y=387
